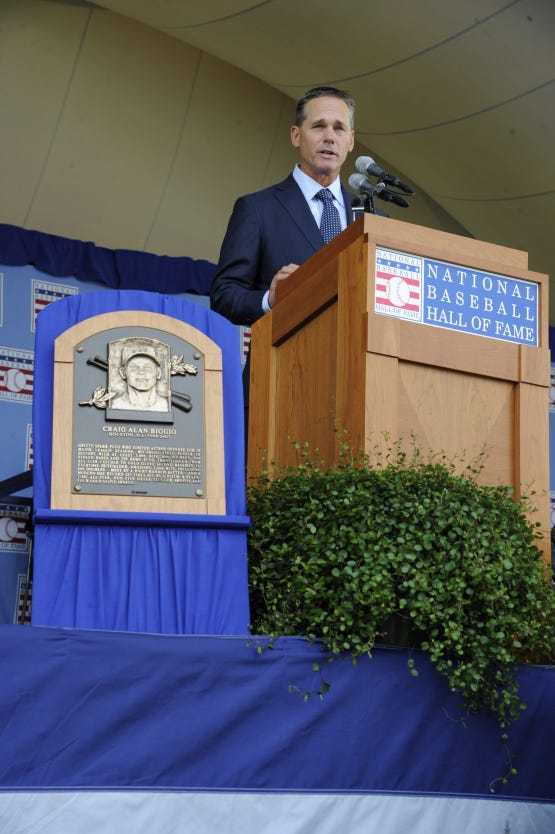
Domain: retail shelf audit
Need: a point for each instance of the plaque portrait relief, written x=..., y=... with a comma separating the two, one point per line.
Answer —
x=138, y=371
x=141, y=429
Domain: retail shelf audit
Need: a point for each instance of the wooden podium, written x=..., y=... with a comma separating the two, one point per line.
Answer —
x=328, y=361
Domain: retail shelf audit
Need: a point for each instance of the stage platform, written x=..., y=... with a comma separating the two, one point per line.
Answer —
x=109, y=731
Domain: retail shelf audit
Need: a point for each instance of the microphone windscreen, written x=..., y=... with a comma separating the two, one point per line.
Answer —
x=363, y=163
x=357, y=181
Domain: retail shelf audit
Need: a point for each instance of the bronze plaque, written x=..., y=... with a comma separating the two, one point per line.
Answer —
x=138, y=415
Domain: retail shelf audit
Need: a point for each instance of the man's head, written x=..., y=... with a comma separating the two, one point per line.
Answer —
x=319, y=92
x=323, y=132
x=140, y=367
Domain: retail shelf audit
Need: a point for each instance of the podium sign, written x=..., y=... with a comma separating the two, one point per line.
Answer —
x=454, y=297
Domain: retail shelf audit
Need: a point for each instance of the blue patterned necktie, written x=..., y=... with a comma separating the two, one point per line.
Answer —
x=330, y=224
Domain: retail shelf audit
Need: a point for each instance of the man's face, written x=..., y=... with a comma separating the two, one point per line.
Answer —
x=141, y=373
x=324, y=139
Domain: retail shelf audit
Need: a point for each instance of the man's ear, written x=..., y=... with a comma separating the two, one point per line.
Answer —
x=122, y=373
x=295, y=135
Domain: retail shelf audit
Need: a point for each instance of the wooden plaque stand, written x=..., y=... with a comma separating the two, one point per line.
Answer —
x=63, y=495
x=324, y=362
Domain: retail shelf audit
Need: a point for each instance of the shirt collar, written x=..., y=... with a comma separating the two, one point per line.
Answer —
x=310, y=187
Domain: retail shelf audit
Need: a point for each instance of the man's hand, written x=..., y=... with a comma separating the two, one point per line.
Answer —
x=283, y=273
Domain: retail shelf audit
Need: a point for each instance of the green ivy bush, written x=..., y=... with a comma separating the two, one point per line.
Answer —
x=333, y=554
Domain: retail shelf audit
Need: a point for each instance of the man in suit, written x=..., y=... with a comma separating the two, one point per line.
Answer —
x=273, y=231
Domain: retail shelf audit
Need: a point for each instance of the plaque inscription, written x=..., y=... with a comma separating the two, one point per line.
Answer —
x=108, y=463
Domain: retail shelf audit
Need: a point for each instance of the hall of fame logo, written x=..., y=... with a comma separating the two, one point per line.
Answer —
x=16, y=374
x=45, y=293
x=456, y=297
x=398, y=286
x=13, y=527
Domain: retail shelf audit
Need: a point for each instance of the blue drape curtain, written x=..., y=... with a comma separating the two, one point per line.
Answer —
x=119, y=269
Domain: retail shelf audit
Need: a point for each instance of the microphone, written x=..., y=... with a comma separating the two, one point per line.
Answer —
x=359, y=183
x=366, y=165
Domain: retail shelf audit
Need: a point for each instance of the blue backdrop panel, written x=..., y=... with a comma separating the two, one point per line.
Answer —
x=123, y=724
x=133, y=571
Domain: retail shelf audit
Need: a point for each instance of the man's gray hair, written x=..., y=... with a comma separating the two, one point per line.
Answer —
x=318, y=92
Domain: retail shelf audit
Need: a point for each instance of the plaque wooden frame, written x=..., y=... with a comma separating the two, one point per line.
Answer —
x=213, y=502
x=324, y=361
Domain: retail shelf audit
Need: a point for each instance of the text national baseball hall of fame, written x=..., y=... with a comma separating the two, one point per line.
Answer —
x=456, y=297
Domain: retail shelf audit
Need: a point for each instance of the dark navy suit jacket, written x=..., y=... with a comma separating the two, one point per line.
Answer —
x=266, y=231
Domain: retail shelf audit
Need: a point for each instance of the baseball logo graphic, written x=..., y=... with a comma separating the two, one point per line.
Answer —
x=398, y=291
x=15, y=380
x=8, y=529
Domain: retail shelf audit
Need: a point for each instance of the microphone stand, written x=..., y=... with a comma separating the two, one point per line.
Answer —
x=364, y=203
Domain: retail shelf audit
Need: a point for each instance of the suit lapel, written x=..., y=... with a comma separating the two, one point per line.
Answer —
x=291, y=198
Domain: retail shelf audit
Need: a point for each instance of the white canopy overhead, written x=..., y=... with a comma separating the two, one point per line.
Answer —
x=457, y=96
